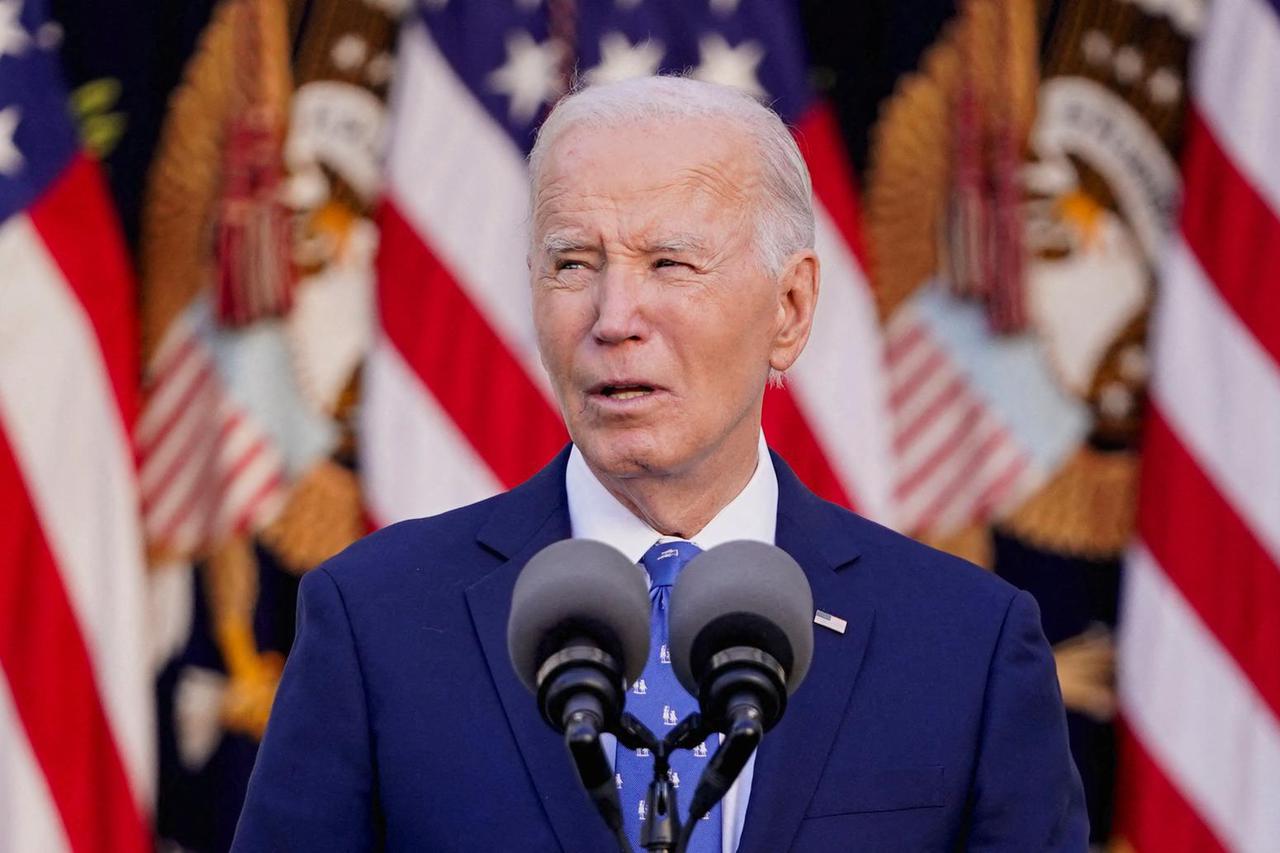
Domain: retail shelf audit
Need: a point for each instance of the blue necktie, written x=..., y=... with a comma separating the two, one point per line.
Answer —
x=659, y=701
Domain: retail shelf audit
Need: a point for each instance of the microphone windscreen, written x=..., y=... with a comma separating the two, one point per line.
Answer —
x=741, y=594
x=578, y=589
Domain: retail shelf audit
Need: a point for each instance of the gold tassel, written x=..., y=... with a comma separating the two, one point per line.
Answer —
x=993, y=45
x=186, y=179
x=254, y=267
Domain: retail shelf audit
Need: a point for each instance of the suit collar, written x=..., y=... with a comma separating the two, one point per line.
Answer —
x=520, y=514
x=823, y=525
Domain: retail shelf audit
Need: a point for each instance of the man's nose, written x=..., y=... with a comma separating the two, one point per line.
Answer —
x=620, y=307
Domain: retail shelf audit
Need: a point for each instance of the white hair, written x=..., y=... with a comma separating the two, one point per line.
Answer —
x=784, y=215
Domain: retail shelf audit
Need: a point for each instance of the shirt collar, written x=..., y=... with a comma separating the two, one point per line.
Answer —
x=595, y=513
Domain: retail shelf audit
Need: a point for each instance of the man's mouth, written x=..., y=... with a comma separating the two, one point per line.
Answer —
x=626, y=392
x=623, y=390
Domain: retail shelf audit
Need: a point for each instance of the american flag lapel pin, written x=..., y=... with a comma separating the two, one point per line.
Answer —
x=826, y=620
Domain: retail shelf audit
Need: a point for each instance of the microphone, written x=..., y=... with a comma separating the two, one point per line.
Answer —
x=579, y=629
x=577, y=635
x=741, y=640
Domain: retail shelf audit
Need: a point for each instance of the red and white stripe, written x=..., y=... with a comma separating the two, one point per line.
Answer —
x=1200, y=630
x=76, y=717
x=206, y=470
x=956, y=460
x=456, y=404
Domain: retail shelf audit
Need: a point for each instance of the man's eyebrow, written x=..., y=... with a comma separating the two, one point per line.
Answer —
x=554, y=244
x=676, y=243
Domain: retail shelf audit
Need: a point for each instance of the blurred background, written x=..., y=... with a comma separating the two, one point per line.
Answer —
x=262, y=289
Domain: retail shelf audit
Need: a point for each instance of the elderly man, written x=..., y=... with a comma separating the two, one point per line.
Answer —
x=673, y=276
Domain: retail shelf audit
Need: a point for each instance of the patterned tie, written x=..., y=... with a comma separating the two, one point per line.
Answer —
x=658, y=701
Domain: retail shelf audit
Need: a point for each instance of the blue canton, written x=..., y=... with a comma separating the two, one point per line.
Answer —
x=37, y=136
x=506, y=54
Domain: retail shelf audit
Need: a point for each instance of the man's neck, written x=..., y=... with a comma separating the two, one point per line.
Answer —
x=683, y=504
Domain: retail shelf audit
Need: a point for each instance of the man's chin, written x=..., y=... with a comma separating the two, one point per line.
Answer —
x=624, y=453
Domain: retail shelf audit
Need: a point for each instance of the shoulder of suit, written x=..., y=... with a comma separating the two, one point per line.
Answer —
x=894, y=561
x=439, y=550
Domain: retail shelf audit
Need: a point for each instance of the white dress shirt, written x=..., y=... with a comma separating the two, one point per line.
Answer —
x=594, y=513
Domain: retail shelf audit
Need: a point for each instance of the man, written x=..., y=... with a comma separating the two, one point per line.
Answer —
x=673, y=275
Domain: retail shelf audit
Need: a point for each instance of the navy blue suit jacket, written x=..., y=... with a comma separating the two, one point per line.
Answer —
x=933, y=723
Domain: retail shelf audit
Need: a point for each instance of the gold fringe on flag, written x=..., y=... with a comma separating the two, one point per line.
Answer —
x=971, y=542
x=1086, y=510
x=321, y=517
x=231, y=585
x=1086, y=666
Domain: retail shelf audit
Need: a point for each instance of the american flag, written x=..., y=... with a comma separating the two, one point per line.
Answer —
x=76, y=740
x=456, y=405
x=1200, y=627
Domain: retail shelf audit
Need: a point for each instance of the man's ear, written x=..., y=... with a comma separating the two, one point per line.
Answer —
x=797, y=298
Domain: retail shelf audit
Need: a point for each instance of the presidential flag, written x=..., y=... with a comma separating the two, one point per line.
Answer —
x=457, y=406
x=255, y=251
x=1023, y=183
x=76, y=734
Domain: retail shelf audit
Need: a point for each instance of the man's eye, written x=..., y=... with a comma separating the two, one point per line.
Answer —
x=570, y=265
x=666, y=262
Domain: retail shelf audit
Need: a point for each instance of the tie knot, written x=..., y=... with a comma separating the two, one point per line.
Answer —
x=665, y=560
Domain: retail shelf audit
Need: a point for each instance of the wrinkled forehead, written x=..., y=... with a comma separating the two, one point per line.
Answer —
x=703, y=162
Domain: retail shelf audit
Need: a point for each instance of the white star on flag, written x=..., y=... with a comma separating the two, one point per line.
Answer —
x=730, y=66
x=13, y=38
x=620, y=60
x=531, y=75
x=10, y=156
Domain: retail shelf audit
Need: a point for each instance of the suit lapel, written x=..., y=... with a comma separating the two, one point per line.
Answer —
x=792, y=756
x=524, y=521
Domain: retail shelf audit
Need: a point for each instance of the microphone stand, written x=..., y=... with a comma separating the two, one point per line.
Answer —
x=662, y=824
x=663, y=831
x=576, y=688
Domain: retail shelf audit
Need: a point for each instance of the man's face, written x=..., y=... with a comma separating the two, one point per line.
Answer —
x=655, y=318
